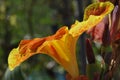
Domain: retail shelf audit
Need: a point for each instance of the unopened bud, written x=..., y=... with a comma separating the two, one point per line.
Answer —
x=89, y=52
x=106, y=36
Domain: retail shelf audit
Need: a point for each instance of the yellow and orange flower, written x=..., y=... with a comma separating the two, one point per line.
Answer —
x=62, y=45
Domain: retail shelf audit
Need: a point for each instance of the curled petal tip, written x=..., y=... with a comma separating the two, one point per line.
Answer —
x=92, y=16
x=98, y=9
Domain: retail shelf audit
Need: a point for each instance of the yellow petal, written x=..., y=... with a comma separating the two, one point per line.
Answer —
x=79, y=27
x=91, y=17
x=98, y=9
x=63, y=52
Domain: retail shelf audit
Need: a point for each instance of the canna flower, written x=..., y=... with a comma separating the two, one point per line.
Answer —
x=60, y=46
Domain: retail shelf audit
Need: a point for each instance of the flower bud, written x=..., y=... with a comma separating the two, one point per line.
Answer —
x=89, y=52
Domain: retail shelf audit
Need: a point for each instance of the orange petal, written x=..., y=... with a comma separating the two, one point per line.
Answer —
x=27, y=48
